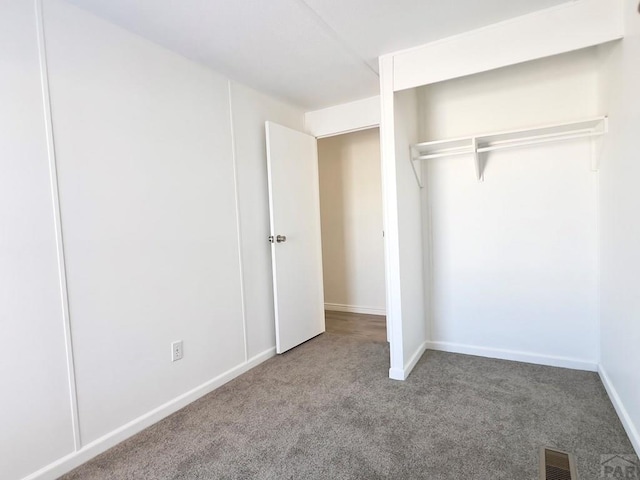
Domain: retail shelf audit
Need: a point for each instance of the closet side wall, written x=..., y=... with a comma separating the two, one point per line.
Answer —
x=620, y=226
x=410, y=234
x=515, y=257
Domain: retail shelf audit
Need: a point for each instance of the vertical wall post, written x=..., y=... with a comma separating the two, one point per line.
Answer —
x=390, y=211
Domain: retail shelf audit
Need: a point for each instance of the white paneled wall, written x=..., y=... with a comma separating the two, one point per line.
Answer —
x=162, y=177
x=514, y=258
x=145, y=165
x=35, y=413
x=250, y=111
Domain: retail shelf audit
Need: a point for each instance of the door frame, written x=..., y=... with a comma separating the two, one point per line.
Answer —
x=368, y=124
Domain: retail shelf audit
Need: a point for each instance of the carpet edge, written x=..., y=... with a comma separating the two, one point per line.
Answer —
x=111, y=439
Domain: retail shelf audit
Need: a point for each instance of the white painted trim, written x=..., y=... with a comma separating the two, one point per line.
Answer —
x=57, y=219
x=625, y=418
x=338, y=307
x=574, y=25
x=414, y=359
x=344, y=118
x=343, y=132
x=514, y=355
x=398, y=374
x=390, y=215
x=238, y=225
x=87, y=452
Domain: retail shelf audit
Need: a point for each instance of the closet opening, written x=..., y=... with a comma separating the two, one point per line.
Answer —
x=352, y=234
x=497, y=180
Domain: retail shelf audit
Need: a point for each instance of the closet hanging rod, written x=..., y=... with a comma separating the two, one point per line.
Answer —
x=536, y=141
x=456, y=146
x=542, y=136
x=479, y=144
x=467, y=151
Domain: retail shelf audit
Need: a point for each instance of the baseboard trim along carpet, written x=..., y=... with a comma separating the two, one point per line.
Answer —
x=237, y=432
x=102, y=444
x=338, y=307
x=514, y=355
x=402, y=374
x=625, y=418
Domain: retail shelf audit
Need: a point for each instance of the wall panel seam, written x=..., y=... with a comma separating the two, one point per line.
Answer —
x=57, y=218
x=238, y=224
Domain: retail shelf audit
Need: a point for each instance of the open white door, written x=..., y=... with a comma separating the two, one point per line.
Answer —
x=296, y=249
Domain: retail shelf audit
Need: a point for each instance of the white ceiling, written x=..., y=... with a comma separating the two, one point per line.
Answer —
x=311, y=53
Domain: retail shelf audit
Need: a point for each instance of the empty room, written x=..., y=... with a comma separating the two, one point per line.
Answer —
x=319, y=239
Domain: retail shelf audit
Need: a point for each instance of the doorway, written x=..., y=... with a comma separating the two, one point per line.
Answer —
x=352, y=234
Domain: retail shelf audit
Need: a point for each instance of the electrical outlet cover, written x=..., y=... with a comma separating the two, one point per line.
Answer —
x=176, y=351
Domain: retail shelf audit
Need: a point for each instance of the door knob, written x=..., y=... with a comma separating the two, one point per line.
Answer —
x=277, y=238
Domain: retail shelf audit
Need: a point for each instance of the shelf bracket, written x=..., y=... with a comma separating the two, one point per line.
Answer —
x=413, y=153
x=477, y=157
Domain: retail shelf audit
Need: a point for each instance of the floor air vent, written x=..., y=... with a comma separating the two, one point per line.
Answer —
x=556, y=465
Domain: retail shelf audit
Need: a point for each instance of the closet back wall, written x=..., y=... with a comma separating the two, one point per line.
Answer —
x=514, y=259
x=351, y=210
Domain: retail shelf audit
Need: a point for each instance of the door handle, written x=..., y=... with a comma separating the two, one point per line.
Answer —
x=277, y=239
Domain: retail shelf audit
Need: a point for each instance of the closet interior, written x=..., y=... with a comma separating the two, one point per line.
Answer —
x=506, y=166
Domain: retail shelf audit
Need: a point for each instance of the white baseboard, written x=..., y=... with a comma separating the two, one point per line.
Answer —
x=87, y=452
x=73, y=460
x=627, y=423
x=518, y=356
x=338, y=307
x=402, y=374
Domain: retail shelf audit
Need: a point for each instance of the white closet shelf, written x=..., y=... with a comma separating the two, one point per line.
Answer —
x=478, y=144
